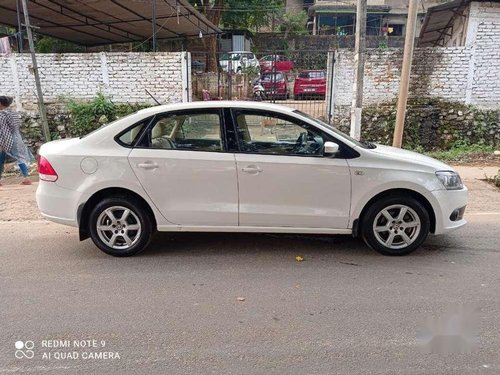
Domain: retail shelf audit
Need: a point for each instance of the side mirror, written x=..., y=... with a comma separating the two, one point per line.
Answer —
x=330, y=149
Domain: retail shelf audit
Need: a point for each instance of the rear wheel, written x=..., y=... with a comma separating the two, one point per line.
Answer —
x=120, y=226
x=395, y=225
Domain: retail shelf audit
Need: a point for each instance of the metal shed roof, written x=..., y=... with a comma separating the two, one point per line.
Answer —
x=438, y=20
x=95, y=22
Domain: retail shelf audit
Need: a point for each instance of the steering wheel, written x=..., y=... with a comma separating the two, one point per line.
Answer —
x=301, y=141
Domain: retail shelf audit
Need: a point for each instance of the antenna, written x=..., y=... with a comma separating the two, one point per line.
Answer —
x=157, y=102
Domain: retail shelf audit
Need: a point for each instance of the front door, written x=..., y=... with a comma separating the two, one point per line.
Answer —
x=183, y=165
x=284, y=179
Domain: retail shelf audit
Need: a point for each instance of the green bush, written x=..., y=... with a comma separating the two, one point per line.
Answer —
x=88, y=116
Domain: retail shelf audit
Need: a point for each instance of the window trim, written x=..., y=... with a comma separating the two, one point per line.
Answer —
x=222, y=126
x=326, y=136
x=139, y=136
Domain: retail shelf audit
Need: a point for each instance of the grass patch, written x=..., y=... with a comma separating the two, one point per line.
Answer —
x=465, y=154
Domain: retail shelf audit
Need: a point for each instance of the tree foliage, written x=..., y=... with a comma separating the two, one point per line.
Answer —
x=47, y=44
x=251, y=14
x=294, y=23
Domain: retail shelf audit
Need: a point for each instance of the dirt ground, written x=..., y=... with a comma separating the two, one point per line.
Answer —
x=17, y=202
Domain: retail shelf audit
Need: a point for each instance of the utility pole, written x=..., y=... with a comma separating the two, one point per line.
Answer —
x=411, y=24
x=359, y=69
x=41, y=105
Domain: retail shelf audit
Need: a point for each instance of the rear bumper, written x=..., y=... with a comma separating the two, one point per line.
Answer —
x=448, y=201
x=58, y=204
x=309, y=91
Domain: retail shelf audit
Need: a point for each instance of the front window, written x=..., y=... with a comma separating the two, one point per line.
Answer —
x=335, y=130
x=271, y=133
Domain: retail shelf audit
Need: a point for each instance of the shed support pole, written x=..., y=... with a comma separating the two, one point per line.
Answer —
x=41, y=105
x=153, y=22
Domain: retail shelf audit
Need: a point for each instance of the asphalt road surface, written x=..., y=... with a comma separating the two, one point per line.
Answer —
x=178, y=308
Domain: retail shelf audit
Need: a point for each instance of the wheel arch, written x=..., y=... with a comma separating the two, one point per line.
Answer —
x=85, y=208
x=391, y=192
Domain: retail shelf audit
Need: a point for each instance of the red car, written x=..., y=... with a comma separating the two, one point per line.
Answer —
x=275, y=85
x=276, y=62
x=310, y=83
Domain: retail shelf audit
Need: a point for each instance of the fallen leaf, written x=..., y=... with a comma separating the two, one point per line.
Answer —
x=241, y=299
x=298, y=258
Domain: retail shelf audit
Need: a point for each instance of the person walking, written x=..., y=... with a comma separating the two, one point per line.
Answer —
x=11, y=142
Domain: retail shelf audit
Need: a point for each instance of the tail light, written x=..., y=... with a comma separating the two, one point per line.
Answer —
x=45, y=170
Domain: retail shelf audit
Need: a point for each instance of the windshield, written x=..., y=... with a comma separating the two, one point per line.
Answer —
x=336, y=131
x=273, y=77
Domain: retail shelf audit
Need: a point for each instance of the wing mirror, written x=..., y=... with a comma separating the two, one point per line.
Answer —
x=330, y=149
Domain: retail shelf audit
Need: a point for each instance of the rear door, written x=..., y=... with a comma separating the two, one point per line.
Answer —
x=183, y=164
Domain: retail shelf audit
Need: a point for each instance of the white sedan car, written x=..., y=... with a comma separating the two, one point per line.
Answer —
x=242, y=167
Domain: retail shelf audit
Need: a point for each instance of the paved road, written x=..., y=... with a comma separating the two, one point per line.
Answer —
x=174, y=309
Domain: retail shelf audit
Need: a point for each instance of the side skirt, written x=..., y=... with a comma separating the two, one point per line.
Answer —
x=180, y=228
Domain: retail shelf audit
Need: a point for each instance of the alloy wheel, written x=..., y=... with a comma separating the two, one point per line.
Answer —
x=396, y=226
x=118, y=227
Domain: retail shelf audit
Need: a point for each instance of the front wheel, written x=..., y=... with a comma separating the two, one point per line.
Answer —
x=120, y=226
x=395, y=225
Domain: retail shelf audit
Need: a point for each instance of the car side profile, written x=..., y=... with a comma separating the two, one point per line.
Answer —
x=236, y=61
x=215, y=167
x=276, y=63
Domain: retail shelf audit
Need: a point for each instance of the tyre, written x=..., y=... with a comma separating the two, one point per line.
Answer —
x=120, y=226
x=395, y=225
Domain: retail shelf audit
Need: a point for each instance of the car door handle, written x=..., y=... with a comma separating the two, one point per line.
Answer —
x=252, y=169
x=148, y=165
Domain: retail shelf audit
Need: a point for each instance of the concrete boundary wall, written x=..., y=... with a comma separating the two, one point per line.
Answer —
x=459, y=74
x=121, y=76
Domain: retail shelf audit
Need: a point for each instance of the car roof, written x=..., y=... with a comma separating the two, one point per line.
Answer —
x=216, y=104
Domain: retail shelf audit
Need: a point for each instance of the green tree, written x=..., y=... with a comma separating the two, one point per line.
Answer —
x=248, y=14
x=47, y=44
x=212, y=9
x=294, y=23
x=251, y=14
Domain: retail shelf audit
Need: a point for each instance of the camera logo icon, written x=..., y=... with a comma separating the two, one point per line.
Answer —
x=24, y=349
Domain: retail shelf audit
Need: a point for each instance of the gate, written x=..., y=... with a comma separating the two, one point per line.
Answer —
x=299, y=79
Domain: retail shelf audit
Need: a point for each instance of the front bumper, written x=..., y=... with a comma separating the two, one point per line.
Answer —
x=447, y=201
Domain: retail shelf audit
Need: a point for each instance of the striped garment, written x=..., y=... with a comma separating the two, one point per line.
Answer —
x=6, y=131
x=11, y=140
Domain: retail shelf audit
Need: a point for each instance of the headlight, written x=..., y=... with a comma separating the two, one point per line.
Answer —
x=450, y=180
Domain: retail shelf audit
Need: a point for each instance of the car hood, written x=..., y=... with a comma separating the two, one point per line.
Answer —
x=399, y=154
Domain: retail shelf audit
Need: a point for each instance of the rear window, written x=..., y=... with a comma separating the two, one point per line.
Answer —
x=131, y=136
x=312, y=75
